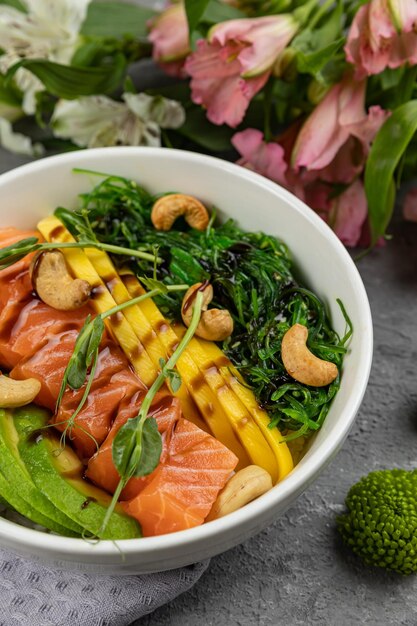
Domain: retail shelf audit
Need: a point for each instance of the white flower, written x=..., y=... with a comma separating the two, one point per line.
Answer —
x=16, y=142
x=96, y=121
x=49, y=30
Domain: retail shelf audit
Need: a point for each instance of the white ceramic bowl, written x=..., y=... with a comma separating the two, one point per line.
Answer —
x=30, y=192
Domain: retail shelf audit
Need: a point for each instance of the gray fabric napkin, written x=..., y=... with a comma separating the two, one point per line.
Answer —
x=36, y=595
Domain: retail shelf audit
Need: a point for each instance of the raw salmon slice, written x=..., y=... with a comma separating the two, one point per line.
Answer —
x=93, y=423
x=184, y=487
x=101, y=470
x=35, y=324
x=48, y=365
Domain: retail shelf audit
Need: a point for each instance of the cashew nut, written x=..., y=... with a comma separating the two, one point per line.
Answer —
x=249, y=483
x=215, y=324
x=301, y=364
x=54, y=284
x=14, y=393
x=166, y=210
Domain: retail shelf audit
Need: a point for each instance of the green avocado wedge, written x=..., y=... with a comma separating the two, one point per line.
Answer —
x=58, y=474
x=18, y=488
x=12, y=499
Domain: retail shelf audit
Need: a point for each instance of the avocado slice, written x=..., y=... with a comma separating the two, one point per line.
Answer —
x=19, y=480
x=13, y=500
x=58, y=473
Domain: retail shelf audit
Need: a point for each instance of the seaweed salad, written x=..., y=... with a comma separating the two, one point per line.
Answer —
x=253, y=277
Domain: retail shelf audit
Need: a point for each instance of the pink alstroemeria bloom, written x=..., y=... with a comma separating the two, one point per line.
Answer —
x=348, y=213
x=169, y=36
x=383, y=34
x=339, y=117
x=261, y=157
x=235, y=62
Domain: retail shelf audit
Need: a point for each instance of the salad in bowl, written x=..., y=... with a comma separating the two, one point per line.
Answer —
x=164, y=367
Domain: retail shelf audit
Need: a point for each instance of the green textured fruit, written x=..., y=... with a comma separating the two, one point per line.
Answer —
x=381, y=525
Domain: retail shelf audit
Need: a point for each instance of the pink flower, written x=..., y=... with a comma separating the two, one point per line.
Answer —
x=410, y=206
x=169, y=35
x=383, y=34
x=235, y=63
x=264, y=158
x=338, y=118
x=348, y=213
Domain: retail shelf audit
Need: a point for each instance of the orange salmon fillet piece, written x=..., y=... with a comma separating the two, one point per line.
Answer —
x=101, y=470
x=34, y=325
x=184, y=487
x=15, y=290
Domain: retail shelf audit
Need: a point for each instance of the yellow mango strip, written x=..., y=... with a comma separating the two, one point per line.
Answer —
x=54, y=231
x=143, y=330
x=239, y=417
x=234, y=379
x=204, y=397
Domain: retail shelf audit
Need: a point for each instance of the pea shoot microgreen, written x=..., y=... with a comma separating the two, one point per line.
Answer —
x=137, y=446
x=16, y=251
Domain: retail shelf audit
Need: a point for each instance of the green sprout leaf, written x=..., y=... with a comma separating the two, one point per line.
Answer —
x=174, y=380
x=137, y=447
x=17, y=251
x=124, y=444
x=389, y=146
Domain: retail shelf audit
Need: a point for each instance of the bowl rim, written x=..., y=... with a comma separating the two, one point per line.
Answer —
x=296, y=481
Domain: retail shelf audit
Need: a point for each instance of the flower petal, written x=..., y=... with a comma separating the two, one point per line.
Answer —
x=17, y=142
x=349, y=212
x=216, y=82
x=164, y=112
x=264, y=158
x=68, y=15
x=84, y=119
x=265, y=38
x=169, y=35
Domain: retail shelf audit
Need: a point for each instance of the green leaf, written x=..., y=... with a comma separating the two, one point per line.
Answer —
x=9, y=94
x=69, y=82
x=391, y=78
x=95, y=339
x=153, y=283
x=16, y=251
x=16, y=4
x=174, y=378
x=116, y=19
x=85, y=350
x=317, y=46
x=124, y=444
x=195, y=10
x=313, y=62
x=390, y=144
x=186, y=268
x=131, y=459
x=197, y=128
x=216, y=12
x=151, y=448
x=76, y=224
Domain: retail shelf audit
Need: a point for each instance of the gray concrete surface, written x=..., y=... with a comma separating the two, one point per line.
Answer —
x=297, y=572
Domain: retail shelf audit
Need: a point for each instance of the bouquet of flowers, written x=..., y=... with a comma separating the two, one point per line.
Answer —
x=317, y=96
